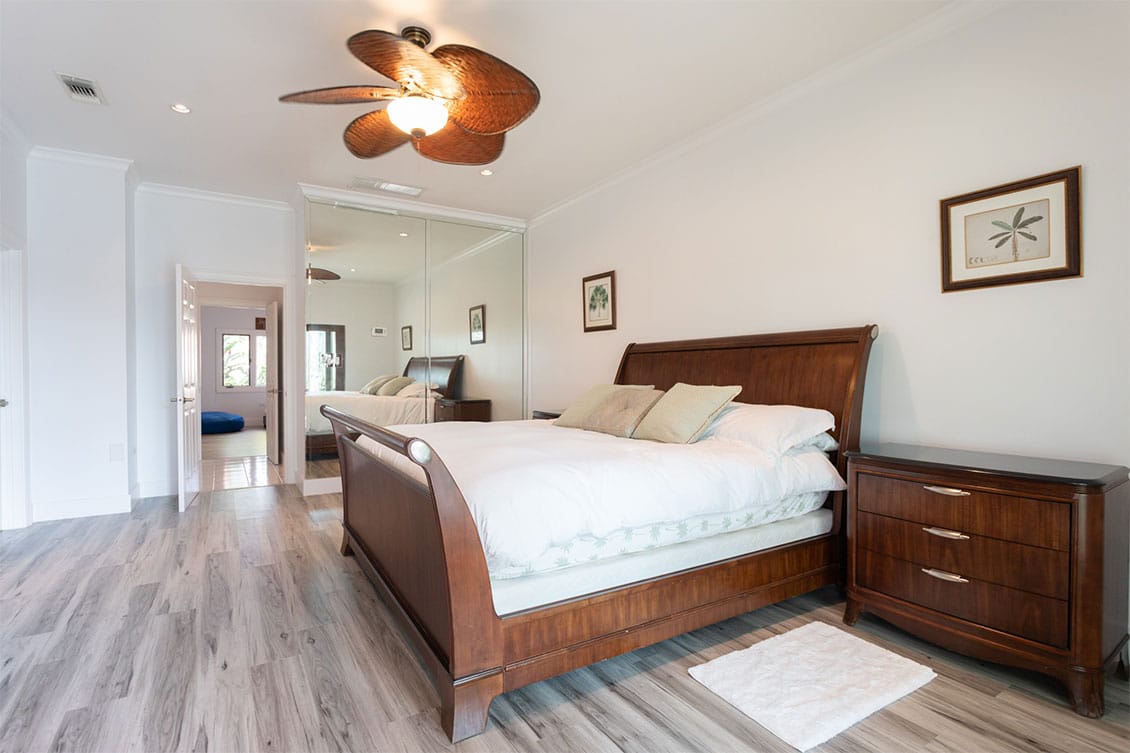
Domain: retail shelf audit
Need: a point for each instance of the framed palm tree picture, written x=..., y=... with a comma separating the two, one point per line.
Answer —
x=1023, y=231
x=598, y=301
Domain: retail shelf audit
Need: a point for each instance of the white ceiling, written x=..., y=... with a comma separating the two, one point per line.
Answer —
x=621, y=80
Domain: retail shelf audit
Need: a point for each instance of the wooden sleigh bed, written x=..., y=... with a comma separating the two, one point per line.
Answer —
x=420, y=546
x=446, y=372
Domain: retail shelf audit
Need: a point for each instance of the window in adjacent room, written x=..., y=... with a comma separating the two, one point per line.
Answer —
x=243, y=360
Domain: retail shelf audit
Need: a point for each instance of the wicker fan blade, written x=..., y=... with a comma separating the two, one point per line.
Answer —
x=317, y=273
x=498, y=95
x=341, y=95
x=408, y=65
x=458, y=146
x=373, y=134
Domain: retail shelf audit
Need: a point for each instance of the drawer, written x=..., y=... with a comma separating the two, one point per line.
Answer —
x=1027, y=521
x=445, y=411
x=1005, y=563
x=1020, y=613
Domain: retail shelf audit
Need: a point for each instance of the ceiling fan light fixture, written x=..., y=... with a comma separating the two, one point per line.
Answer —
x=416, y=115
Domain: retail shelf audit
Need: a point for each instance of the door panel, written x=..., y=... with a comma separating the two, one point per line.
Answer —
x=187, y=382
x=273, y=391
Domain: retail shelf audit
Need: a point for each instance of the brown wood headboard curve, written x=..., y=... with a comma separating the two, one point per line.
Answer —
x=822, y=368
x=445, y=371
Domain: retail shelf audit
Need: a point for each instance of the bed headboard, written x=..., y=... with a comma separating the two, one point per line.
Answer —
x=818, y=368
x=446, y=371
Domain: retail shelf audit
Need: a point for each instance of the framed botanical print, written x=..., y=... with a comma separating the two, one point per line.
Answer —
x=477, y=321
x=598, y=301
x=1023, y=231
x=406, y=338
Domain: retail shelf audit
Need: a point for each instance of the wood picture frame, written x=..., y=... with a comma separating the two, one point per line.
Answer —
x=1024, y=231
x=477, y=323
x=406, y=337
x=598, y=302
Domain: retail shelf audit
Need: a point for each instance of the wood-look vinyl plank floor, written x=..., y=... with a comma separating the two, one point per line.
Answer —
x=237, y=626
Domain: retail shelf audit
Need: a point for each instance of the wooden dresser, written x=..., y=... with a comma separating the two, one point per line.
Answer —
x=1021, y=561
x=469, y=409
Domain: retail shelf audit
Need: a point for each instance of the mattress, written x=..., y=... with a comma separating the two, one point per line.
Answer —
x=545, y=497
x=381, y=410
x=519, y=594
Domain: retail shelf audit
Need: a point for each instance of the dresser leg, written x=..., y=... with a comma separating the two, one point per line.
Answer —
x=346, y=547
x=852, y=611
x=1086, y=691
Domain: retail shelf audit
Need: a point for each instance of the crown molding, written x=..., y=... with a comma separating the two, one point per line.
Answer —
x=949, y=18
x=368, y=202
x=80, y=158
x=197, y=194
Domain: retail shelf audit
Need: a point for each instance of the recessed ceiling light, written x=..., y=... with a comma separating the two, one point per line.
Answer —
x=351, y=269
x=486, y=171
x=181, y=108
x=404, y=235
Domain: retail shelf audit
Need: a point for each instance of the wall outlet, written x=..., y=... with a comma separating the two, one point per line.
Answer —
x=380, y=331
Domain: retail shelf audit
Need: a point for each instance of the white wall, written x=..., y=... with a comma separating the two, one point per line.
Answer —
x=79, y=239
x=359, y=307
x=217, y=237
x=214, y=322
x=821, y=210
x=13, y=185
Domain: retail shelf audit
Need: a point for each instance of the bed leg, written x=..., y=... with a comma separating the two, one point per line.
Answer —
x=346, y=547
x=465, y=704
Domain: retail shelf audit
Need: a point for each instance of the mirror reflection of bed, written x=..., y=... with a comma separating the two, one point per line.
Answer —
x=399, y=306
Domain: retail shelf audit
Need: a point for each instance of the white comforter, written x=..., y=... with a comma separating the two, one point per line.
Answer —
x=536, y=490
x=381, y=410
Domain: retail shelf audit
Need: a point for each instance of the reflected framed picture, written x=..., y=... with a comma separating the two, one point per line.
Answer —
x=477, y=320
x=598, y=301
x=1023, y=231
x=406, y=338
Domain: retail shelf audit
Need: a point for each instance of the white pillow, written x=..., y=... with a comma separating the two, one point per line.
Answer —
x=771, y=428
x=419, y=389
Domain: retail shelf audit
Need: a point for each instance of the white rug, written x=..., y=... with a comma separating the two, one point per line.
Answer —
x=809, y=684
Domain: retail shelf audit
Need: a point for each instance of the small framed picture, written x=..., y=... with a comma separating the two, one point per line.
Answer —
x=1023, y=231
x=406, y=338
x=598, y=299
x=260, y=322
x=477, y=319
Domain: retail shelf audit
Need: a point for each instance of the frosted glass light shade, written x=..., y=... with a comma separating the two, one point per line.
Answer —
x=415, y=113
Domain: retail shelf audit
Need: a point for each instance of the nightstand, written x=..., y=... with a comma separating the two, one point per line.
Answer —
x=468, y=409
x=1016, y=560
x=543, y=414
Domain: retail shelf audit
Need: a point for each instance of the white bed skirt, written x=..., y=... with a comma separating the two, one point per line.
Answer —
x=519, y=594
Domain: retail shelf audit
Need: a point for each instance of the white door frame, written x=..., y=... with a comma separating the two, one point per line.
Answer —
x=290, y=397
x=15, y=503
x=271, y=419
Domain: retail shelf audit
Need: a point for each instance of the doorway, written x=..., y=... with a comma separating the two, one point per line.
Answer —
x=239, y=366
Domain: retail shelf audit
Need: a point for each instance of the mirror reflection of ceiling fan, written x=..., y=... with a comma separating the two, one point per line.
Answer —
x=454, y=104
x=319, y=275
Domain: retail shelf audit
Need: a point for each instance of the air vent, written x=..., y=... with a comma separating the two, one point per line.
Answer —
x=371, y=184
x=82, y=89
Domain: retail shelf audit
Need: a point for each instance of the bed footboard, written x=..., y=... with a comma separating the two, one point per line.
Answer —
x=418, y=544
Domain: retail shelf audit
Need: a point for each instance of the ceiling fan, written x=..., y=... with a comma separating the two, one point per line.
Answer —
x=320, y=275
x=453, y=104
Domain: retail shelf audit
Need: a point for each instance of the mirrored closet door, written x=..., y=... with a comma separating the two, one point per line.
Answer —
x=408, y=320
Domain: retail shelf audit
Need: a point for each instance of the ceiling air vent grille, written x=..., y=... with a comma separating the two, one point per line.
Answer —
x=82, y=89
x=372, y=184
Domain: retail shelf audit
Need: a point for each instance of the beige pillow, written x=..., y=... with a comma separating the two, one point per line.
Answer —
x=683, y=414
x=620, y=412
x=372, y=386
x=578, y=412
x=394, y=385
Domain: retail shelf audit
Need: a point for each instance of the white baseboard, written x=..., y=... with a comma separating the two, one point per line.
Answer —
x=313, y=486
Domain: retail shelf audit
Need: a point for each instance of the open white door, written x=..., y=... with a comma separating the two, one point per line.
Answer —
x=187, y=379
x=273, y=392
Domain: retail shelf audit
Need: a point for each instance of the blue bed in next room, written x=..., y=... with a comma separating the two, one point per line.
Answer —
x=219, y=422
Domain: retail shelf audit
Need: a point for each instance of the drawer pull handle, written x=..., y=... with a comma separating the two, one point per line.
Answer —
x=947, y=491
x=946, y=534
x=943, y=575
